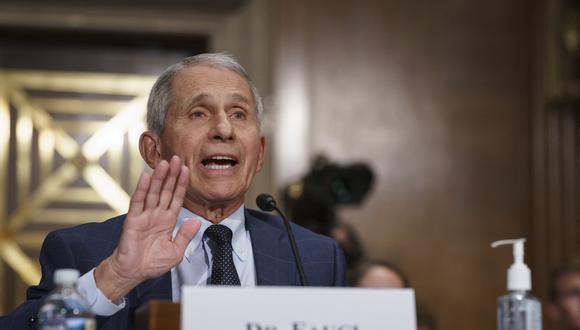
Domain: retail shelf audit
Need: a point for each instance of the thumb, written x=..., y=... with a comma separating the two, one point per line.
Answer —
x=186, y=233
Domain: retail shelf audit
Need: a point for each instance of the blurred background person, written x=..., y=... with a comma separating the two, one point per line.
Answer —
x=564, y=305
x=313, y=202
x=384, y=274
x=379, y=274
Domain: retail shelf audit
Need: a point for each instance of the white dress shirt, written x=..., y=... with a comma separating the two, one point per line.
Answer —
x=194, y=269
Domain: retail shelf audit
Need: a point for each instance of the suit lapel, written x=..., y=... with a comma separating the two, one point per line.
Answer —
x=272, y=254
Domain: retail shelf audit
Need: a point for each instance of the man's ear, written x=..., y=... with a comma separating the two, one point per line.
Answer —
x=149, y=144
x=261, y=153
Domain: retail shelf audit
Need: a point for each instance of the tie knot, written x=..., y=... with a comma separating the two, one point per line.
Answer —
x=220, y=234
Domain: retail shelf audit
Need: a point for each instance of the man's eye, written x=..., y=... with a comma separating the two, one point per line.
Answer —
x=239, y=115
x=571, y=294
x=197, y=114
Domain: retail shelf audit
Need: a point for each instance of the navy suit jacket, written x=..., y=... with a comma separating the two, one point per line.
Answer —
x=84, y=247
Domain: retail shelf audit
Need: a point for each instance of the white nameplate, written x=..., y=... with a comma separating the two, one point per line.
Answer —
x=295, y=308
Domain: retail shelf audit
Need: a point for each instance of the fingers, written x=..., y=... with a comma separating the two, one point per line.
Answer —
x=157, y=179
x=165, y=188
x=180, y=189
x=138, y=199
x=186, y=234
x=170, y=180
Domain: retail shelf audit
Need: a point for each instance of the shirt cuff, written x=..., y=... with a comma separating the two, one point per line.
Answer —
x=98, y=302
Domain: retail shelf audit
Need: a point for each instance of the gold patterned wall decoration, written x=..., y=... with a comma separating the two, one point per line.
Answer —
x=68, y=155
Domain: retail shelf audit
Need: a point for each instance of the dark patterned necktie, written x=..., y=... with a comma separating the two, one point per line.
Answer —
x=223, y=269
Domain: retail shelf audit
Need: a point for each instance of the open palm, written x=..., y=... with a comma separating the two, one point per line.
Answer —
x=147, y=248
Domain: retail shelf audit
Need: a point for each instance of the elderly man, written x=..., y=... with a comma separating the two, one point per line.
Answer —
x=186, y=224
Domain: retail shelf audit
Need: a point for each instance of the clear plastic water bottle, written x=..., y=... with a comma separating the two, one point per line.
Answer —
x=65, y=308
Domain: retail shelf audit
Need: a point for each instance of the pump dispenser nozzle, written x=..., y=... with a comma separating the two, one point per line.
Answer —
x=519, y=276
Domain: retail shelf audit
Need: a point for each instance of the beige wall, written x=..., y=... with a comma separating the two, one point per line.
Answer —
x=436, y=96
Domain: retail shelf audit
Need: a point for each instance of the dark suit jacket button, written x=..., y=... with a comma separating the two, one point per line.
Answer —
x=32, y=320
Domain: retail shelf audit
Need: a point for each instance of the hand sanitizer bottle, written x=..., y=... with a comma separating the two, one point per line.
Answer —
x=518, y=310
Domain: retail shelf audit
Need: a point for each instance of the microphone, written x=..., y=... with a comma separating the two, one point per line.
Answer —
x=267, y=203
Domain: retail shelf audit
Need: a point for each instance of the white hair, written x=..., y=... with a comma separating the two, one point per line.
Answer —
x=161, y=97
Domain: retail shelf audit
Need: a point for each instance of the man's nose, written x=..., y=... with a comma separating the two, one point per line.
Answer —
x=222, y=128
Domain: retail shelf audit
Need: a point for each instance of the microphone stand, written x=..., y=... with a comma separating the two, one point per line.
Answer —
x=297, y=259
x=267, y=203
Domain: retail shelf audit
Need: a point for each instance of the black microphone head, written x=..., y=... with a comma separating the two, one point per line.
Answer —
x=266, y=202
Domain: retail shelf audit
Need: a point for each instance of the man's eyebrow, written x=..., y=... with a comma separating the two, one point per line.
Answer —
x=199, y=98
x=205, y=97
x=240, y=98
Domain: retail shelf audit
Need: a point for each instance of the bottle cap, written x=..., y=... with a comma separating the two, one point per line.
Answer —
x=65, y=276
x=519, y=276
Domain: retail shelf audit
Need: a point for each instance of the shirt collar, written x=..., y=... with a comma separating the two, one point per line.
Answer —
x=236, y=222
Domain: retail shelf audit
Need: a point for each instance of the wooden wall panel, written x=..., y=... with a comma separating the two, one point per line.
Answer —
x=556, y=148
x=436, y=97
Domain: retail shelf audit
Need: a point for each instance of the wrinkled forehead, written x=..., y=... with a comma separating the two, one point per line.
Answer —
x=195, y=80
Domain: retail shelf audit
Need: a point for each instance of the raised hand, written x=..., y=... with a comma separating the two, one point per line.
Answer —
x=147, y=248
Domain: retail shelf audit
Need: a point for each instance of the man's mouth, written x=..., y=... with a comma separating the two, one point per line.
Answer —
x=219, y=162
